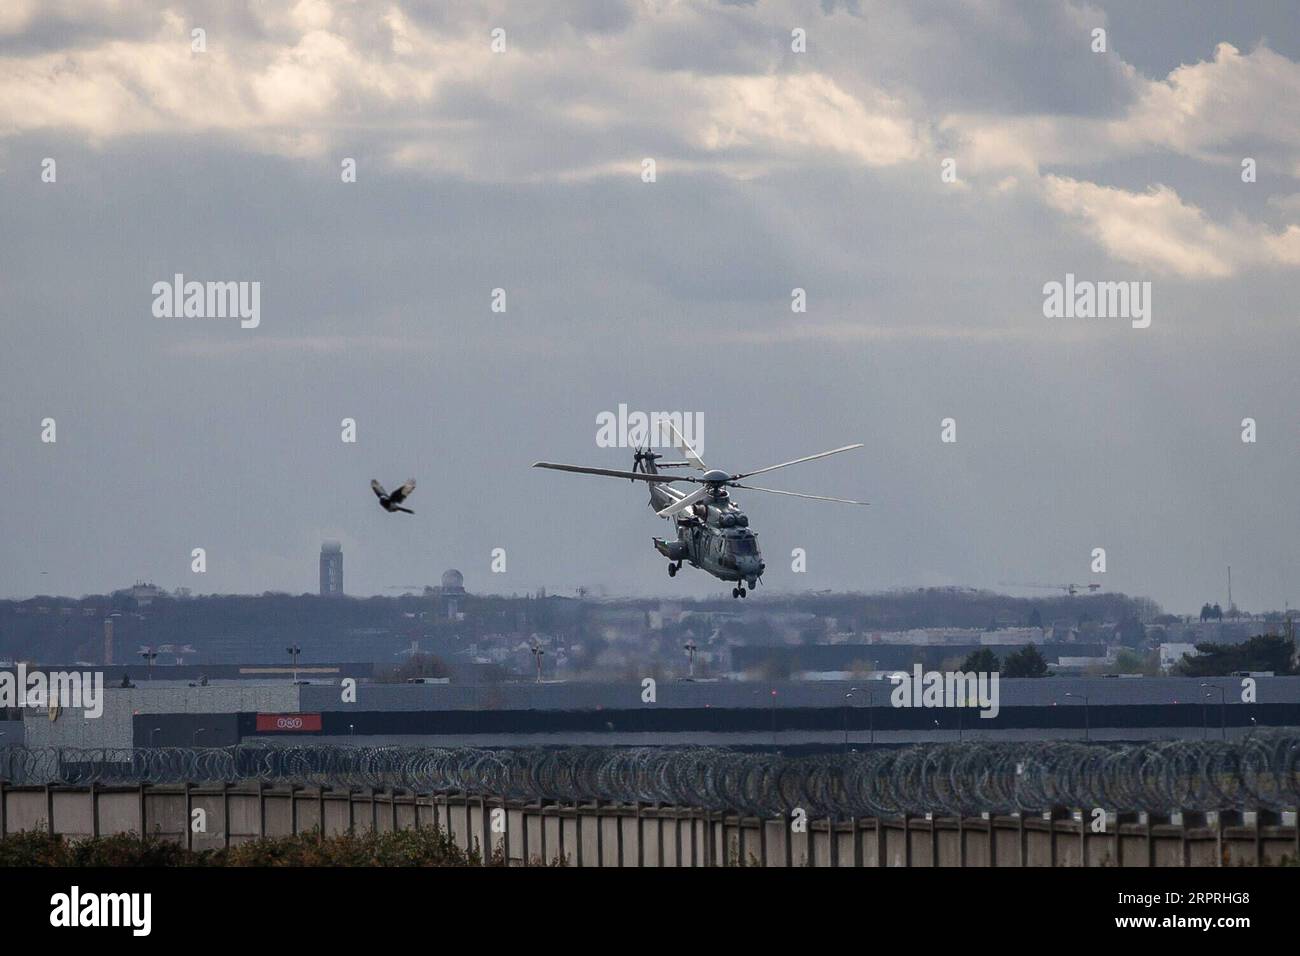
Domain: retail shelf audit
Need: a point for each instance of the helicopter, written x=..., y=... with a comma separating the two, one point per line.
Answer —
x=713, y=534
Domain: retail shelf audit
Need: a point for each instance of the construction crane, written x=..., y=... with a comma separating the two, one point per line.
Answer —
x=1070, y=589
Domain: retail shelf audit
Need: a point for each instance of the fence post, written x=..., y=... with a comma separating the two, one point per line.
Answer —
x=469, y=823
x=225, y=813
x=559, y=830
x=659, y=834
x=94, y=810
x=189, y=817
x=618, y=835
x=541, y=828
x=1083, y=838
x=4, y=812
x=1259, y=838
x=485, y=829
x=523, y=828
x=640, y=836
x=144, y=826
x=505, y=831
x=695, y=854
x=676, y=835
x=1191, y=819
x=577, y=829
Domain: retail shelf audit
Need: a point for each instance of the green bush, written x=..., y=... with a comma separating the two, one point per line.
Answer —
x=428, y=846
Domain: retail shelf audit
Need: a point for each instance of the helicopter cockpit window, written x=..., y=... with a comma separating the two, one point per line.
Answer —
x=746, y=545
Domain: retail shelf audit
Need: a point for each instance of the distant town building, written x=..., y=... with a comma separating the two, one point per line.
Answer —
x=451, y=591
x=331, y=569
x=143, y=593
x=1172, y=653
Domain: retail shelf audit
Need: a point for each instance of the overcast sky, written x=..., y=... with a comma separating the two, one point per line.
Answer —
x=523, y=170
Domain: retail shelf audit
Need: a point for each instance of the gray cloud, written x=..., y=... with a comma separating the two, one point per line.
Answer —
x=523, y=173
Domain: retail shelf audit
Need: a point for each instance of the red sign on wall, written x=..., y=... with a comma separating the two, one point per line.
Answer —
x=287, y=723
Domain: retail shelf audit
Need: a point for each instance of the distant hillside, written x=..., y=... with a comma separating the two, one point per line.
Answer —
x=257, y=628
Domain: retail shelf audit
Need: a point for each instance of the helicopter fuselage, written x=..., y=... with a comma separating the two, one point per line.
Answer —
x=712, y=535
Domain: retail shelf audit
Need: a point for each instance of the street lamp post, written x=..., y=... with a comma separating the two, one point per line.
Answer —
x=848, y=699
x=871, y=714
x=149, y=654
x=538, y=652
x=1223, y=709
x=293, y=650
x=155, y=730
x=194, y=739
x=1087, y=727
x=690, y=648
x=772, y=709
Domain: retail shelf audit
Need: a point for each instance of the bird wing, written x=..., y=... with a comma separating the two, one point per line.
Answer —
x=377, y=488
x=401, y=493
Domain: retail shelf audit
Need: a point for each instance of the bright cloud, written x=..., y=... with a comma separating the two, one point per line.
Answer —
x=1159, y=231
x=571, y=101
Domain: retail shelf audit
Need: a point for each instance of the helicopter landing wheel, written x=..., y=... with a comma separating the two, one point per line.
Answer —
x=742, y=591
x=735, y=592
x=672, y=570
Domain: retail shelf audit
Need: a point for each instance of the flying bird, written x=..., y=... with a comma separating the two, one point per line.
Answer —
x=394, y=501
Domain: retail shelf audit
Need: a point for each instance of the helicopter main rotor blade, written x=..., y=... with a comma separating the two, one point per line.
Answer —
x=683, y=503
x=795, y=494
x=611, y=472
x=823, y=454
x=684, y=446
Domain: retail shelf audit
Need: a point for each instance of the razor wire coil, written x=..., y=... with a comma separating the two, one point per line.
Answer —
x=1259, y=772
